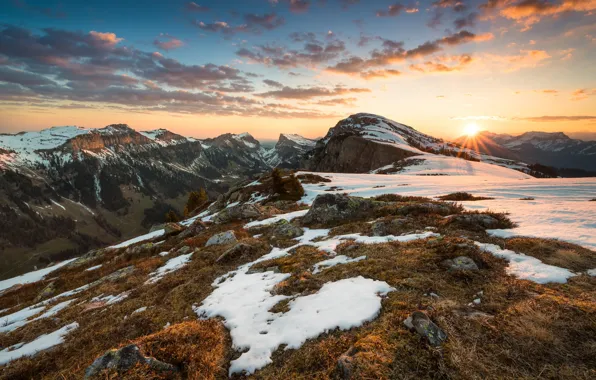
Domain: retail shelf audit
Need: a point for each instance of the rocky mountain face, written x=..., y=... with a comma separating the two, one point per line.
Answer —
x=103, y=184
x=366, y=142
x=552, y=149
x=289, y=151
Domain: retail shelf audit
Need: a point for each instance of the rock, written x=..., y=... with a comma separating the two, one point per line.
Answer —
x=262, y=270
x=238, y=250
x=172, y=228
x=184, y=250
x=379, y=229
x=481, y=220
x=117, y=275
x=421, y=323
x=86, y=258
x=194, y=229
x=227, y=237
x=345, y=363
x=399, y=222
x=333, y=208
x=155, y=227
x=461, y=263
x=47, y=292
x=238, y=212
x=283, y=205
x=123, y=360
x=285, y=229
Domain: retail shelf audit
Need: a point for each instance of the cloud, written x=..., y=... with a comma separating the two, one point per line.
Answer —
x=272, y=83
x=167, y=42
x=442, y=65
x=514, y=62
x=529, y=12
x=194, y=7
x=336, y=102
x=345, y=4
x=468, y=21
x=392, y=11
x=312, y=53
x=548, y=119
x=253, y=23
x=480, y=117
x=309, y=92
x=375, y=74
x=24, y=78
x=296, y=6
x=583, y=93
x=393, y=52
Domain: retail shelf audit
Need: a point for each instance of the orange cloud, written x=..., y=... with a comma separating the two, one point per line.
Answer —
x=529, y=12
x=583, y=93
x=514, y=62
x=106, y=38
x=375, y=74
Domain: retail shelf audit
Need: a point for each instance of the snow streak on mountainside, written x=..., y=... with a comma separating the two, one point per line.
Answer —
x=289, y=151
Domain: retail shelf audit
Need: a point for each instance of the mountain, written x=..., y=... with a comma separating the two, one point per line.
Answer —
x=289, y=150
x=103, y=184
x=365, y=142
x=551, y=149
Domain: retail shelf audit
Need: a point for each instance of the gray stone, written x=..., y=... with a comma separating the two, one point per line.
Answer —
x=285, y=229
x=123, y=360
x=421, y=323
x=263, y=270
x=461, y=263
x=47, y=292
x=119, y=274
x=238, y=250
x=379, y=229
x=238, y=212
x=226, y=237
x=345, y=364
x=86, y=258
x=194, y=229
x=333, y=208
x=172, y=228
x=184, y=250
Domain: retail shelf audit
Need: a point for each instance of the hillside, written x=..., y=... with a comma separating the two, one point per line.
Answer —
x=365, y=276
x=100, y=185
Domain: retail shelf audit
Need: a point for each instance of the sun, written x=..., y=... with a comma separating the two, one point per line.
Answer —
x=471, y=129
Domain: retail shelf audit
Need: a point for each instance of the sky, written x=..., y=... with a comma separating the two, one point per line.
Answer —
x=299, y=66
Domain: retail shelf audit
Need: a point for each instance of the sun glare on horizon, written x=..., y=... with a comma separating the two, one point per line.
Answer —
x=471, y=129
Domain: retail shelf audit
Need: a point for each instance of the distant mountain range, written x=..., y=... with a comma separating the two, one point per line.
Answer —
x=553, y=149
x=65, y=190
x=100, y=185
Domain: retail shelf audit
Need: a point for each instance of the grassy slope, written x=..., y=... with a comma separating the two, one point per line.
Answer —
x=521, y=329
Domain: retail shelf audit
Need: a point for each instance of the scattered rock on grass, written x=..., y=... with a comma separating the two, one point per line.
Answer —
x=47, y=292
x=421, y=323
x=194, y=229
x=379, y=229
x=333, y=208
x=482, y=220
x=172, y=228
x=123, y=360
x=238, y=250
x=461, y=263
x=222, y=238
x=238, y=212
x=345, y=364
x=285, y=229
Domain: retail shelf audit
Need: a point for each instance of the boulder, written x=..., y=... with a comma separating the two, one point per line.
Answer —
x=421, y=323
x=461, y=263
x=285, y=229
x=86, y=258
x=124, y=359
x=333, y=208
x=221, y=238
x=119, y=274
x=379, y=229
x=172, y=228
x=238, y=212
x=194, y=229
x=474, y=220
x=238, y=250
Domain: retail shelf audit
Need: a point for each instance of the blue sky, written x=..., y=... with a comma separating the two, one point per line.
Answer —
x=270, y=66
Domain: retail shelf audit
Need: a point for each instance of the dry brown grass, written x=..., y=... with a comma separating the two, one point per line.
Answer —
x=554, y=252
x=462, y=196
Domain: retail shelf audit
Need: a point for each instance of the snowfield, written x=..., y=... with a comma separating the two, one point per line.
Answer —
x=561, y=208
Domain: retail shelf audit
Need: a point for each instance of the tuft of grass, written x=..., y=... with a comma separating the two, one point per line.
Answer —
x=527, y=199
x=400, y=198
x=462, y=196
x=554, y=252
